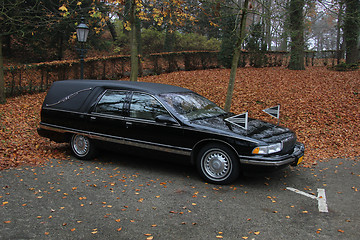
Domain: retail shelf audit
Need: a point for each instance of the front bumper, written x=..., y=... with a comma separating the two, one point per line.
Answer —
x=277, y=160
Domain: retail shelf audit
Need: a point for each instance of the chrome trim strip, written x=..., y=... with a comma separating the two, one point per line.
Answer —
x=61, y=129
x=115, y=117
x=268, y=163
x=143, y=144
x=146, y=121
x=68, y=97
x=120, y=140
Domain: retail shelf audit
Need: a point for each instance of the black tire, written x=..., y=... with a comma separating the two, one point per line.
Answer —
x=82, y=147
x=217, y=163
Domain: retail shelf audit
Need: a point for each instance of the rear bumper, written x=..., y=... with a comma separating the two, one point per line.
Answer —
x=53, y=134
x=275, y=161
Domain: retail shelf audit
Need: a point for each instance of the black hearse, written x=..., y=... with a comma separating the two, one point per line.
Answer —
x=91, y=114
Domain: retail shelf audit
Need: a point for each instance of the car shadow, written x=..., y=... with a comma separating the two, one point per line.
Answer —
x=168, y=169
x=157, y=166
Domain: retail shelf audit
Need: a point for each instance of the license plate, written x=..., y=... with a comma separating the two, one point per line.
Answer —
x=300, y=160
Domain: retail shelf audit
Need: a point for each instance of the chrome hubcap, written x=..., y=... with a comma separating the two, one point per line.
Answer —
x=216, y=164
x=80, y=145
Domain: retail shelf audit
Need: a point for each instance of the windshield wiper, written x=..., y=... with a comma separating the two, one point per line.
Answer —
x=205, y=117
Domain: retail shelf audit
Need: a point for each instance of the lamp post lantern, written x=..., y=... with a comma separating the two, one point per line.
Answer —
x=82, y=31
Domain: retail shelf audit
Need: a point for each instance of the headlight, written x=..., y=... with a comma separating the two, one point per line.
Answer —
x=268, y=149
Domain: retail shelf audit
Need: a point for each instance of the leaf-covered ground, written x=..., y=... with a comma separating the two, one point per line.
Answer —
x=321, y=106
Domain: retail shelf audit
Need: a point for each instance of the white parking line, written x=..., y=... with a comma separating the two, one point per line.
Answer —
x=322, y=200
x=321, y=197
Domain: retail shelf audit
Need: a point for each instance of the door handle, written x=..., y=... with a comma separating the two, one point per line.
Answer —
x=128, y=124
x=92, y=118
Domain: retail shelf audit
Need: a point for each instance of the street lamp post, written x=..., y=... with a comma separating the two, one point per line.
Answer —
x=82, y=31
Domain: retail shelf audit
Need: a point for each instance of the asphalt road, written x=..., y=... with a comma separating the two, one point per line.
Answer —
x=120, y=197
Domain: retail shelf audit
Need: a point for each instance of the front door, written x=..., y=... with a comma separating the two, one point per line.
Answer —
x=143, y=130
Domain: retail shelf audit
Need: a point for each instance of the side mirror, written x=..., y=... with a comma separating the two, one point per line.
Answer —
x=165, y=119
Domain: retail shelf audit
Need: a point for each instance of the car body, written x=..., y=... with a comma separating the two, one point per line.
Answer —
x=162, y=119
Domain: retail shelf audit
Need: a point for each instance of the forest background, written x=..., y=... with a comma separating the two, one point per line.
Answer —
x=39, y=31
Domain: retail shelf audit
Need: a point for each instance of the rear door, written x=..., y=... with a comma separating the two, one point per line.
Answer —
x=107, y=118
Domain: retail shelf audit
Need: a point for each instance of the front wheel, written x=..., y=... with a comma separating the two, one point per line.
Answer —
x=82, y=147
x=218, y=164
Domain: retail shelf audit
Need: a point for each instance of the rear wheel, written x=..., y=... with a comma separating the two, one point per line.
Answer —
x=82, y=147
x=218, y=164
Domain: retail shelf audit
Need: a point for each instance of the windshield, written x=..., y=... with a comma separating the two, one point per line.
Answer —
x=191, y=106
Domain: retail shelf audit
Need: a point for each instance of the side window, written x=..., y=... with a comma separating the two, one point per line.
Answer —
x=112, y=102
x=144, y=106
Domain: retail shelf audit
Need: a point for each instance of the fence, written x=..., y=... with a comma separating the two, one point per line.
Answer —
x=38, y=77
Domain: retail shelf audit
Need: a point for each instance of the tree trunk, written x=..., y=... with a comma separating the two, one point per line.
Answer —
x=7, y=51
x=60, y=48
x=283, y=46
x=284, y=41
x=338, y=29
x=169, y=40
x=112, y=30
x=236, y=57
x=351, y=30
x=2, y=80
x=268, y=24
x=139, y=45
x=133, y=44
x=297, y=44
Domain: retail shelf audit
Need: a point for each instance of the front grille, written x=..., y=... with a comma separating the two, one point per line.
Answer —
x=289, y=144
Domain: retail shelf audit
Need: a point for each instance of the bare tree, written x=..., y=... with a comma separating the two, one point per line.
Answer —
x=338, y=31
x=240, y=33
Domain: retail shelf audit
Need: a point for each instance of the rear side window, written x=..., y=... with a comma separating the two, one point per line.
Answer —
x=112, y=102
